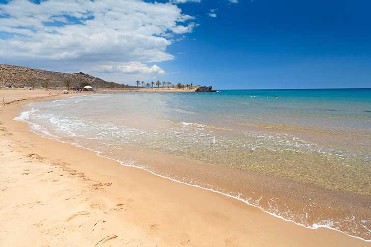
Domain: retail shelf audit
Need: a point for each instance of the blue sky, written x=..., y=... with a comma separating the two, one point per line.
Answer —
x=226, y=44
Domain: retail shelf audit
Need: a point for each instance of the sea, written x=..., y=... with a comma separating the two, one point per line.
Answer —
x=301, y=155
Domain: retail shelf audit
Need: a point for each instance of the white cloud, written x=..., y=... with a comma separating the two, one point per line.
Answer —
x=212, y=13
x=81, y=35
x=185, y=1
x=130, y=68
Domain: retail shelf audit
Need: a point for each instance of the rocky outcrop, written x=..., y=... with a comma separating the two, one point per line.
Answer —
x=18, y=76
x=205, y=89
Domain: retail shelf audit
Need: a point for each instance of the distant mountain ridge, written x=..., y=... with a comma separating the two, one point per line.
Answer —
x=19, y=76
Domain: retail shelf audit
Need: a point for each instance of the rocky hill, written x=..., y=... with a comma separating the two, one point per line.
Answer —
x=18, y=76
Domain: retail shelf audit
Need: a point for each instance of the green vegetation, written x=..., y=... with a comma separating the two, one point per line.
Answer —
x=67, y=84
x=165, y=84
x=45, y=84
x=84, y=84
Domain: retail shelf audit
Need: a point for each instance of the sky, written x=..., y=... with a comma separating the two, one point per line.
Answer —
x=228, y=44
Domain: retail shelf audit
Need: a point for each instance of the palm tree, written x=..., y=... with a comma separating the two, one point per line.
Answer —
x=158, y=83
x=163, y=83
x=152, y=83
x=137, y=83
x=142, y=83
x=148, y=85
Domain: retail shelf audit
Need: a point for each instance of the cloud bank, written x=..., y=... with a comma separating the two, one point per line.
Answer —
x=122, y=37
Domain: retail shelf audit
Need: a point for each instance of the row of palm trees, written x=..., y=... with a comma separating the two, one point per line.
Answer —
x=152, y=84
x=164, y=84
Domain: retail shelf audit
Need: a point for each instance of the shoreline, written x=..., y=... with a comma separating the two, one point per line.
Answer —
x=225, y=218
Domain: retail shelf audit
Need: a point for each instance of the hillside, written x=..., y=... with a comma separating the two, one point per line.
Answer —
x=18, y=76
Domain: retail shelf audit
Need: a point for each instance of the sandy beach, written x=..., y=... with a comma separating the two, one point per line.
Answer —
x=55, y=194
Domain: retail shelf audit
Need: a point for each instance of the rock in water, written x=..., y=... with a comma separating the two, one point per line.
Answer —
x=205, y=89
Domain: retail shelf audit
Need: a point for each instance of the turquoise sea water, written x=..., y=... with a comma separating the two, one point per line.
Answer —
x=319, y=140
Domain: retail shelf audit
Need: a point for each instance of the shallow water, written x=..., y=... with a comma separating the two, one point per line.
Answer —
x=311, y=146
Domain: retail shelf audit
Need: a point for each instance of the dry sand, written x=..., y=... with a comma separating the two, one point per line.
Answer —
x=54, y=194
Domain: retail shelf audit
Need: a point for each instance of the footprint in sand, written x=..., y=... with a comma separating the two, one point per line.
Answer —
x=154, y=226
x=40, y=223
x=57, y=163
x=121, y=207
x=35, y=156
x=26, y=172
x=99, y=223
x=106, y=239
x=99, y=186
x=82, y=213
x=100, y=206
x=30, y=204
x=186, y=242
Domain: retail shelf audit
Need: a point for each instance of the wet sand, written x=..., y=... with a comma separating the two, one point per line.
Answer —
x=56, y=194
